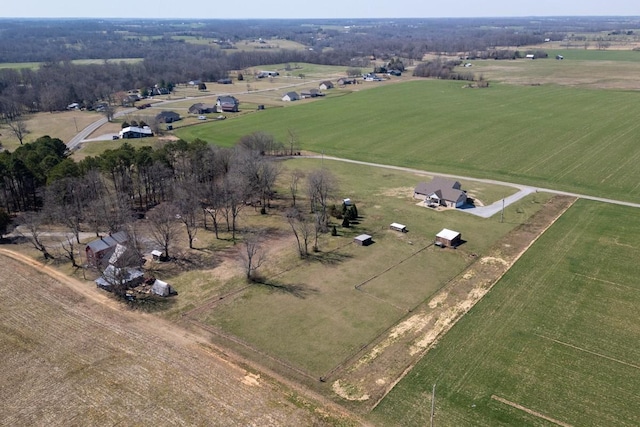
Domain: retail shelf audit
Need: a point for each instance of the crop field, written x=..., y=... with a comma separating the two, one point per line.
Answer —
x=70, y=358
x=570, y=139
x=310, y=313
x=555, y=339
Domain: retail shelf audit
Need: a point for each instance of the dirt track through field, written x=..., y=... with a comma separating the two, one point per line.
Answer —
x=530, y=411
x=71, y=355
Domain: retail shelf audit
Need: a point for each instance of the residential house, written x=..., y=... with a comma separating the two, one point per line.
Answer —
x=168, y=117
x=311, y=93
x=103, y=248
x=263, y=74
x=228, y=104
x=136, y=132
x=325, y=85
x=441, y=192
x=291, y=96
x=119, y=276
x=344, y=81
x=201, y=108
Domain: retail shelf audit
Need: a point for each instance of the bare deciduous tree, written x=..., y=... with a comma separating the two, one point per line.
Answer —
x=296, y=176
x=252, y=253
x=18, y=127
x=164, y=225
x=188, y=204
x=33, y=228
x=302, y=229
x=321, y=184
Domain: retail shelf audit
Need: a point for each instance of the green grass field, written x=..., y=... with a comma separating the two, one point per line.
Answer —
x=550, y=136
x=312, y=316
x=558, y=335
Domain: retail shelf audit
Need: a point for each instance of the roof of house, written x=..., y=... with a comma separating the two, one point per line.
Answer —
x=327, y=83
x=443, y=188
x=145, y=130
x=291, y=95
x=447, y=234
x=113, y=274
x=168, y=114
x=227, y=98
x=107, y=242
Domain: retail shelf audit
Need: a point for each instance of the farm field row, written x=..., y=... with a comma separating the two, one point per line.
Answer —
x=556, y=337
x=569, y=139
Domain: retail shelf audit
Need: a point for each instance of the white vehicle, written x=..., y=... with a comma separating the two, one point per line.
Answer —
x=202, y=117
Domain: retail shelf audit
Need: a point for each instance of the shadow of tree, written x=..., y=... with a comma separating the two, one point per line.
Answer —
x=329, y=258
x=298, y=290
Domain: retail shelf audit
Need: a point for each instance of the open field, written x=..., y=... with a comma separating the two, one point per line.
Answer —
x=556, y=337
x=36, y=65
x=583, y=69
x=570, y=139
x=69, y=358
x=327, y=319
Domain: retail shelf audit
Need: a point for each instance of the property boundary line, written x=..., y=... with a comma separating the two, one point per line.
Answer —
x=613, y=359
x=530, y=411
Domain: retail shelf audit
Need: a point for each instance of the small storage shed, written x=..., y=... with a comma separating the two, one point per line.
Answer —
x=161, y=288
x=156, y=255
x=448, y=238
x=363, y=240
x=398, y=227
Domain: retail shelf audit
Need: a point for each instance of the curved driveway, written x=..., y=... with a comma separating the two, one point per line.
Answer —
x=490, y=210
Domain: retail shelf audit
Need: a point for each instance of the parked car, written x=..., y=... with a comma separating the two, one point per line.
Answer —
x=202, y=117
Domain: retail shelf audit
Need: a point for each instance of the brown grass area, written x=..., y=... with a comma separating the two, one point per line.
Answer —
x=72, y=356
x=378, y=368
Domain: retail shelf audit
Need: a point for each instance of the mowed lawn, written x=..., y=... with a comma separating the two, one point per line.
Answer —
x=557, y=335
x=310, y=314
x=572, y=139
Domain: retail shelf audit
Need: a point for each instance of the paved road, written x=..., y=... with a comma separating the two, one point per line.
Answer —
x=490, y=210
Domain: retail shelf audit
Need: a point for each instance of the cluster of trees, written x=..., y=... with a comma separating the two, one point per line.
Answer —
x=442, y=70
x=179, y=187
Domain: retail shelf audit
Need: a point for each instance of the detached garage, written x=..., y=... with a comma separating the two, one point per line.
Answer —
x=363, y=240
x=448, y=238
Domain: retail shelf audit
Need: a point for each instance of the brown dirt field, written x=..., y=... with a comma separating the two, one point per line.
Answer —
x=71, y=355
x=376, y=369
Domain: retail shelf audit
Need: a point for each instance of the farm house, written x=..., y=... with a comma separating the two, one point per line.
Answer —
x=448, y=238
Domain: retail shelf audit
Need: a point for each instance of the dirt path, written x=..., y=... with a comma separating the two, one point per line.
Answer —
x=73, y=355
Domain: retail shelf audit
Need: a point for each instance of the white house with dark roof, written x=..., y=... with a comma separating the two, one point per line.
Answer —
x=291, y=96
x=441, y=192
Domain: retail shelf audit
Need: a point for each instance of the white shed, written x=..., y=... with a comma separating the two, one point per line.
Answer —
x=161, y=288
x=398, y=227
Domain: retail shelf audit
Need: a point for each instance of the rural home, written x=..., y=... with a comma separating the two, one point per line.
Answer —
x=263, y=74
x=441, y=192
x=344, y=81
x=311, y=93
x=227, y=104
x=201, y=108
x=291, y=96
x=168, y=117
x=448, y=238
x=104, y=247
x=325, y=85
x=363, y=240
x=123, y=276
x=136, y=132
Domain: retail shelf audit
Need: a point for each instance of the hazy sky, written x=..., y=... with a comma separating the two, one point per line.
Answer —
x=217, y=9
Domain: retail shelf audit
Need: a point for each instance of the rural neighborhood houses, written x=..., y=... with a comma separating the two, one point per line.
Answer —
x=167, y=117
x=311, y=93
x=291, y=96
x=103, y=248
x=136, y=132
x=325, y=85
x=227, y=104
x=201, y=108
x=441, y=192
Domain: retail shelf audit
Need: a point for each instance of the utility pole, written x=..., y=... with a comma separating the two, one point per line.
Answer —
x=502, y=214
x=75, y=123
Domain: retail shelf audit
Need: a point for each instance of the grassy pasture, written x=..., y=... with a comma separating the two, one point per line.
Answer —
x=552, y=136
x=36, y=65
x=309, y=312
x=557, y=335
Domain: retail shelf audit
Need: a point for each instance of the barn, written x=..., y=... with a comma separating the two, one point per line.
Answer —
x=363, y=240
x=448, y=238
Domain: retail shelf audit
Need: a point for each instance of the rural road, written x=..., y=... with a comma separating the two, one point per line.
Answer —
x=490, y=210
